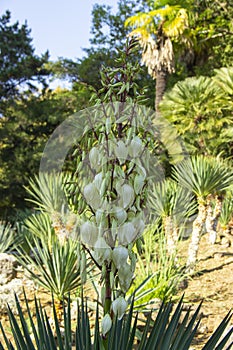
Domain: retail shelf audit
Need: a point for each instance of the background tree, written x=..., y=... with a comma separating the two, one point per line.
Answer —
x=18, y=63
x=156, y=30
x=24, y=130
x=202, y=113
x=211, y=30
x=205, y=177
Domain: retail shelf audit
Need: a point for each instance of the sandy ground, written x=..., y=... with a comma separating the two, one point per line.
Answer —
x=213, y=285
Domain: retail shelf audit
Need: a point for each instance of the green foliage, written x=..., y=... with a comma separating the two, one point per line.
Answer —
x=203, y=175
x=200, y=110
x=38, y=225
x=56, y=268
x=169, y=199
x=170, y=330
x=18, y=62
x=227, y=211
x=7, y=237
x=24, y=130
x=212, y=23
x=162, y=271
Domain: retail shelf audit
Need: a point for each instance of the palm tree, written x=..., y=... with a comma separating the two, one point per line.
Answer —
x=199, y=109
x=213, y=213
x=226, y=217
x=48, y=193
x=172, y=204
x=204, y=177
x=156, y=30
x=224, y=79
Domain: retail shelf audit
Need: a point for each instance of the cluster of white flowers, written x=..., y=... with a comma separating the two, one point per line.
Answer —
x=156, y=58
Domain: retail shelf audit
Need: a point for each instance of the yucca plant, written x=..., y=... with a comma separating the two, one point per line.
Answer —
x=170, y=329
x=161, y=272
x=173, y=204
x=214, y=204
x=225, y=219
x=204, y=176
x=58, y=270
x=47, y=192
x=7, y=237
x=37, y=225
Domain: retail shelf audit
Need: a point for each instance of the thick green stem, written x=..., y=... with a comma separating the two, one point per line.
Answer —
x=108, y=299
x=108, y=292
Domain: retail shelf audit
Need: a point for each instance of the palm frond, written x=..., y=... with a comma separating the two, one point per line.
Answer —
x=56, y=270
x=7, y=237
x=47, y=191
x=203, y=175
x=168, y=198
x=224, y=78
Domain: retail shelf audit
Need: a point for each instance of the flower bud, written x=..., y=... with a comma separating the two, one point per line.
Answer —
x=119, y=306
x=89, y=233
x=120, y=256
x=126, y=233
x=106, y=324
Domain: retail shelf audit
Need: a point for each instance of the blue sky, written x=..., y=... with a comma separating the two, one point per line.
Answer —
x=62, y=27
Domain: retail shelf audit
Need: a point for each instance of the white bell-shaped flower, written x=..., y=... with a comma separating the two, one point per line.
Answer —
x=88, y=233
x=125, y=275
x=139, y=182
x=121, y=151
x=92, y=195
x=119, y=306
x=98, y=180
x=135, y=147
x=94, y=157
x=139, y=225
x=106, y=324
x=127, y=195
x=120, y=256
x=102, y=251
x=120, y=214
x=126, y=233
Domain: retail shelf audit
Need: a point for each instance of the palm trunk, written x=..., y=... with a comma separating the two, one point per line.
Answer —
x=161, y=81
x=170, y=242
x=212, y=219
x=198, y=225
x=175, y=233
x=59, y=310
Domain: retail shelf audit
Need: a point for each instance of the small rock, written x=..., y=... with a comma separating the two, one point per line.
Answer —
x=8, y=265
x=7, y=294
x=225, y=242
